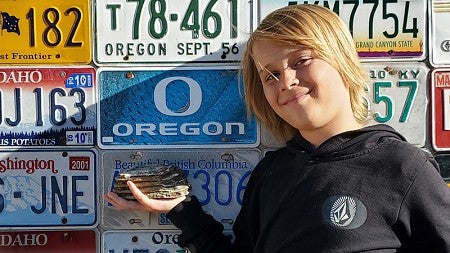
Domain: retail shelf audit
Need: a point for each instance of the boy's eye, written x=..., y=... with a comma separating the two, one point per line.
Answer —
x=271, y=76
x=302, y=61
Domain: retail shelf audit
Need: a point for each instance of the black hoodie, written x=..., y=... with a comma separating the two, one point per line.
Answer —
x=365, y=190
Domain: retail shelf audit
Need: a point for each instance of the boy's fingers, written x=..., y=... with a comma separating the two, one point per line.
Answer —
x=122, y=204
x=153, y=205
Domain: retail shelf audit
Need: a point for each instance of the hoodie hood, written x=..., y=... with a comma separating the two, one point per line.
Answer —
x=347, y=143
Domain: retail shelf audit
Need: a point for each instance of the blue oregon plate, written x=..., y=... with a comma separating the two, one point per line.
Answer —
x=181, y=107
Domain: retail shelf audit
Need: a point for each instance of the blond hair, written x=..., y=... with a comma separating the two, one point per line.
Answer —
x=317, y=29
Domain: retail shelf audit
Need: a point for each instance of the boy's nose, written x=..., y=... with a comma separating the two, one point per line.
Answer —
x=289, y=79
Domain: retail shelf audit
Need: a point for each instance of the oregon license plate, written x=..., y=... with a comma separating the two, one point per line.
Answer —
x=440, y=109
x=382, y=30
x=439, y=32
x=180, y=107
x=41, y=188
x=398, y=97
x=164, y=31
x=158, y=241
x=46, y=106
x=218, y=179
x=70, y=241
x=45, y=32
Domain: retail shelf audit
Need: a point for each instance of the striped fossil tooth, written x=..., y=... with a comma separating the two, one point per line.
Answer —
x=155, y=181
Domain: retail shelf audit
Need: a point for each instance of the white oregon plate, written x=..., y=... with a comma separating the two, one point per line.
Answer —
x=158, y=241
x=171, y=32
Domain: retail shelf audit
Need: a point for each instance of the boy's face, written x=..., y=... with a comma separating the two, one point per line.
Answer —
x=305, y=91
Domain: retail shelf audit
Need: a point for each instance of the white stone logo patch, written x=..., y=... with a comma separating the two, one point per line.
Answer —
x=344, y=212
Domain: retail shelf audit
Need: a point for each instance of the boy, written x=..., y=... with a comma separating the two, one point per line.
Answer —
x=337, y=186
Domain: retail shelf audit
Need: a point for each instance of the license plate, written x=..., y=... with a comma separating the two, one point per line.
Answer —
x=47, y=188
x=391, y=30
x=45, y=32
x=71, y=241
x=181, y=107
x=164, y=241
x=439, y=33
x=398, y=97
x=440, y=108
x=444, y=165
x=47, y=106
x=163, y=31
x=218, y=179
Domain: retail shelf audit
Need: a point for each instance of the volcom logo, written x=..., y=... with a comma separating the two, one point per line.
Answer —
x=344, y=212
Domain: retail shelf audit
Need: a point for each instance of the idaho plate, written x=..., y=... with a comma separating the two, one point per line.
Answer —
x=37, y=241
x=47, y=106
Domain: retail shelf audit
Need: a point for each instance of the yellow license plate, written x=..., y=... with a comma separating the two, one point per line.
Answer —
x=45, y=32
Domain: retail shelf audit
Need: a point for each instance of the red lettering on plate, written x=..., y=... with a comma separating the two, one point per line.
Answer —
x=443, y=80
x=29, y=166
x=79, y=163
